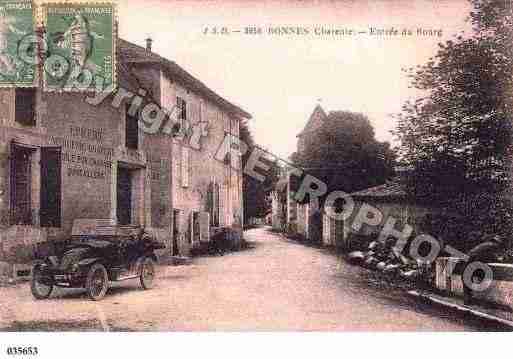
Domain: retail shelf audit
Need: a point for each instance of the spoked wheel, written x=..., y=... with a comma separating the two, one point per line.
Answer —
x=40, y=288
x=147, y=277
x=97, y=282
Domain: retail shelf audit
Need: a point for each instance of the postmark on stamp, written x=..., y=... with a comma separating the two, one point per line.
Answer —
x=16, y=22
x=81, y=46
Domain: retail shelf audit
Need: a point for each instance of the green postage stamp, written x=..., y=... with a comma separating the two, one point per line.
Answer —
x=81, y=46
x=16, y=23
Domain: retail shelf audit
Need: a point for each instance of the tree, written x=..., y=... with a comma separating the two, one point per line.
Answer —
x=256, y=194
x=457, y=137
x=344, y=153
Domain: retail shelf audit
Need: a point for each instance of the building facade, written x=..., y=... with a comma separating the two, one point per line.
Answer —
x=62, y=158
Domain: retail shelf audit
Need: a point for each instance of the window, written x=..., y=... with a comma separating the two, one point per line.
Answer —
x=181, y=105
x=185, y=164
x=24, y=103
x=131, y=130
x=50, y=212
x=21, y=178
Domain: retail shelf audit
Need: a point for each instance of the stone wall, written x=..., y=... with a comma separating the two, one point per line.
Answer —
x=403, y=212
x=500, y=291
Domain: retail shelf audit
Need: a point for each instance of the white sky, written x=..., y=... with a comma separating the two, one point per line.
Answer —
x=280, y=79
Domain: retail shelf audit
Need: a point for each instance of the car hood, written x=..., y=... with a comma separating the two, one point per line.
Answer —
x=73, y=256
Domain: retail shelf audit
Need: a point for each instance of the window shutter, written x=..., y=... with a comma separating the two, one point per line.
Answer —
x=24, y=105
x=50, y=213
x=216, y=203
x=20, y=188
x=191, y=227
x=213, y=204
x=185, y=166
x=182, y=113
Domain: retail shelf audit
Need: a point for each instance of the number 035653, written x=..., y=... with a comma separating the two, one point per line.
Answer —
x=22, y=351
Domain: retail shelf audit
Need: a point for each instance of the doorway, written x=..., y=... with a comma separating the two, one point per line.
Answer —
x=50, y=196
x=176, y=231
x=124, y=196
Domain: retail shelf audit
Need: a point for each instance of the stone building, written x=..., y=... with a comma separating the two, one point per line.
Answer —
x=393, y=201
x=62, y=158
x=298, y=218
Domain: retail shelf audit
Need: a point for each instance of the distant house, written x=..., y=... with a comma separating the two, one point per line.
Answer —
x=298, y=218
x=279, y=204
x=314, y=124
x=392, y=200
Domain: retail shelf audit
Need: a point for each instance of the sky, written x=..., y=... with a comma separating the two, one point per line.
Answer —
x=279, y=79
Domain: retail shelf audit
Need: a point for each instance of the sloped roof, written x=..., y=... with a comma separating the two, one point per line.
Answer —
x=132, y=53
x=318, y=110
x=388, y=190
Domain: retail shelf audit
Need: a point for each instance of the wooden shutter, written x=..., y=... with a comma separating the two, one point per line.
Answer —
x=182, y=113
x=50, y=212
x=185, y=166
x=191, y=228
x=216, y=204
x=24, y=104
x=21, y=177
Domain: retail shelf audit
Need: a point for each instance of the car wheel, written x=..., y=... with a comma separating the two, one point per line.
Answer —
x=147, y=277
x=97, y=282
x=39, y=289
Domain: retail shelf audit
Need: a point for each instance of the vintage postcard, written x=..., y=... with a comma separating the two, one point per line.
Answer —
x=17, y=23
x=81, y=44
x=276, y=165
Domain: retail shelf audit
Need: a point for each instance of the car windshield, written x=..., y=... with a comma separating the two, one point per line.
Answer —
x=91, y=242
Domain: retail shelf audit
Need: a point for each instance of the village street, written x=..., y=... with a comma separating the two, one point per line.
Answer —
x=275, y=285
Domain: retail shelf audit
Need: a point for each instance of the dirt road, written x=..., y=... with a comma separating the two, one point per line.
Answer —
x=277, y=285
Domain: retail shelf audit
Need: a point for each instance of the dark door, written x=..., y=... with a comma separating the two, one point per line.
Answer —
x=124, y=194
x=20, y=185
x=50, y=214
x=176, y=233
x=196, y=229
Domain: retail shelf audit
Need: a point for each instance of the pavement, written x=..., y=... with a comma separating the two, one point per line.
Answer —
x=275, y=285
x=502, y=317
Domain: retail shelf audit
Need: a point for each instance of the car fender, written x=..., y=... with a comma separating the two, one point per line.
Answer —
x=88, y=261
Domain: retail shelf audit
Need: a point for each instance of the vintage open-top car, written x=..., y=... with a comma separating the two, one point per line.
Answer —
x=97, y=253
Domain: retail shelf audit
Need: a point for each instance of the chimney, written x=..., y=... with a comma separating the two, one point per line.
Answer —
x=149, y=41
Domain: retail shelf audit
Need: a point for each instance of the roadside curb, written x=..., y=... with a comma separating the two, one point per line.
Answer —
x=461, y=308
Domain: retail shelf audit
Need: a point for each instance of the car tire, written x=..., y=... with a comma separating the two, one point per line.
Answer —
x=39, y=290
x=147, y=277
x=97, y=282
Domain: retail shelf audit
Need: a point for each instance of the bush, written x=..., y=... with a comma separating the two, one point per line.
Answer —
x=360, y=242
